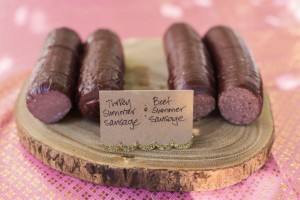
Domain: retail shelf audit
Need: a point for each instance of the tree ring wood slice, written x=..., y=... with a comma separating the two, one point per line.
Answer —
x=221, y=155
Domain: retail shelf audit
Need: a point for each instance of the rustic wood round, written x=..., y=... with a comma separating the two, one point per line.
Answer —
x=221, y=155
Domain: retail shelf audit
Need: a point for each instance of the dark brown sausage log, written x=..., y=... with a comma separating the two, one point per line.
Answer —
x=240, y=93
x=102, y=69
x=64, y=38
x=190, y=67
x=52, y=85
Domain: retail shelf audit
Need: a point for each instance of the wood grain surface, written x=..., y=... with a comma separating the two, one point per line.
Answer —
x=222, y=154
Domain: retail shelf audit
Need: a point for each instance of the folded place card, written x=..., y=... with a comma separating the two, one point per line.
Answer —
x=146, y=119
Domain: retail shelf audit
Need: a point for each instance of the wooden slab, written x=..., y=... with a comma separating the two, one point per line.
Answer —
x=221, y=155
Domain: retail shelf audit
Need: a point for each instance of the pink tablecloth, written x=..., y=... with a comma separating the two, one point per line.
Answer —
x=271, y=28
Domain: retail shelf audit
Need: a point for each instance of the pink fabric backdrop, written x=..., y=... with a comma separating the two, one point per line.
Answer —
x=271, y=28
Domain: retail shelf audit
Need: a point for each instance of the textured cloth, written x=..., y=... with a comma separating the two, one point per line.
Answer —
x=271, y=29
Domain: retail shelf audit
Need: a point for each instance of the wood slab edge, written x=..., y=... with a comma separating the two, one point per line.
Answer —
x=150, y=179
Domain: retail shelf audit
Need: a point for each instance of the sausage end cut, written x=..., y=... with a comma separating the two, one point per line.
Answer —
x=49, y=107
x=239, y=106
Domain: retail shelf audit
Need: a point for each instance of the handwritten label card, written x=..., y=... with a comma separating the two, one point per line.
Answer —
x=146, y=116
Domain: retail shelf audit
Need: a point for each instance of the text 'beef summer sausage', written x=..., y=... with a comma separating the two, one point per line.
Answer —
x=240, y=93
x=53, y=82
x=102, y=69
x=190, y=67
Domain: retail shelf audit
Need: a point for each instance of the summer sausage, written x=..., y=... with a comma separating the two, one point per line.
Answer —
x=102, y=69
x=190, y=67
x=240, y=90
x=52, y=85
